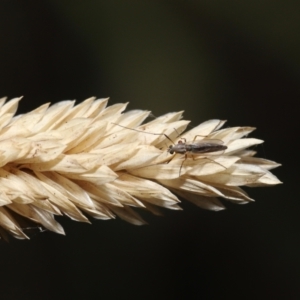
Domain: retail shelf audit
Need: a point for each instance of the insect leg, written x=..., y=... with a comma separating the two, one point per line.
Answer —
x=203, y=136
x=185, y=157
x=213, y=161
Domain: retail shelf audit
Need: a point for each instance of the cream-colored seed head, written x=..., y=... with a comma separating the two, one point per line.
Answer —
x=76, y=161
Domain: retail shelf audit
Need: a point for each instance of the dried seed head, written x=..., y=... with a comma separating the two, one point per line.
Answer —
x=75, y=161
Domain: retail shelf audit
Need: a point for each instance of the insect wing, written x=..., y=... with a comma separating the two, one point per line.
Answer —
x=210, y=141
x=207, y=146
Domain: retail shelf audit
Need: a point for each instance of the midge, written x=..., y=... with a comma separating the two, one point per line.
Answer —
x=185, y=148
x=203, y=146
x=194, y=147
x=182, y=147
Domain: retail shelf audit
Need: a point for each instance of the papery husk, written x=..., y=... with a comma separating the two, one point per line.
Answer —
x=91, y=160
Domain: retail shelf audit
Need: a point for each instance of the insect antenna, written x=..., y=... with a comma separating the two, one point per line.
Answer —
x=146, y=132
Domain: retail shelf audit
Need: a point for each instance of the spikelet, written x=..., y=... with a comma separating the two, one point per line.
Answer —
x=77, y=161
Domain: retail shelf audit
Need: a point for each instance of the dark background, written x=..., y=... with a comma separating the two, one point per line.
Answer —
x=234, y=60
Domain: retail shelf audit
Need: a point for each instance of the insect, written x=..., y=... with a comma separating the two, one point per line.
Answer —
x=194, y=147
x=203, y=146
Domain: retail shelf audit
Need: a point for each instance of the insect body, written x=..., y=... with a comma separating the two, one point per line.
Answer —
x=204, y=146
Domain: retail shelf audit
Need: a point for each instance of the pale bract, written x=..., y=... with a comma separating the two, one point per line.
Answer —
x=93, y=160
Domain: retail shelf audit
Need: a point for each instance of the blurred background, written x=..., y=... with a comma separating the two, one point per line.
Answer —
x=236, y=60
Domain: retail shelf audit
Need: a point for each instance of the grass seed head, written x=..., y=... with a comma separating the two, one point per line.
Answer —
x=76, y=161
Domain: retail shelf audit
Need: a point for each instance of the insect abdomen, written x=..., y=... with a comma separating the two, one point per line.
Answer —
x=206, y=148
